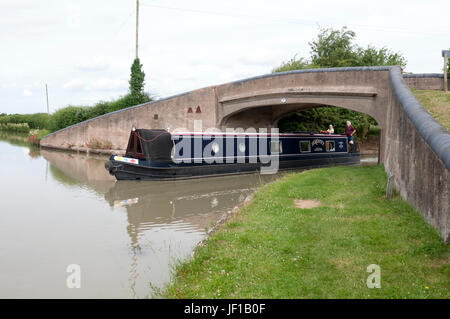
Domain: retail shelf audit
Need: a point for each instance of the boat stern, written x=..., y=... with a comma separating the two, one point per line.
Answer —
x=110, y=166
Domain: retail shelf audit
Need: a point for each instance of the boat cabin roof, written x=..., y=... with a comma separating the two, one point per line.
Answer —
x=288, y=134
x=156, y=144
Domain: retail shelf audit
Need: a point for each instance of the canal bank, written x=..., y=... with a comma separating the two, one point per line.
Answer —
x=273, y=249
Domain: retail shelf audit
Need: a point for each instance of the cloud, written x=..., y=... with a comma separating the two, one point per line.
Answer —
x=27, y=92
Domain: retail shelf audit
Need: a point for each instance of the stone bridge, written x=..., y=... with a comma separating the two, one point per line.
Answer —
x=414, y=148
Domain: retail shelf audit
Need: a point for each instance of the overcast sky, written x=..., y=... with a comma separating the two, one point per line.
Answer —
x=84, y=49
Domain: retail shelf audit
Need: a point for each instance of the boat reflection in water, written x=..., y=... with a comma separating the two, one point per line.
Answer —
x=164, y=219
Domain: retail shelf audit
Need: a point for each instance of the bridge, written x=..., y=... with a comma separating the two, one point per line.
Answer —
x=414, y=148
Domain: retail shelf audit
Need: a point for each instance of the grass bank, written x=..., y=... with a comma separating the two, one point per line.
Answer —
x=271, y=249
x=437, y=103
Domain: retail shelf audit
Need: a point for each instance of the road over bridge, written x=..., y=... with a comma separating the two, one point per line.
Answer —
x=414, y=148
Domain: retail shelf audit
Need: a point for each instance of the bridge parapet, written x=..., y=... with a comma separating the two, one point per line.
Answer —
x=425, y=81
x=417, y=152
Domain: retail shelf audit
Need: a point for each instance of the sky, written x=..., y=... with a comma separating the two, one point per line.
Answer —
x=83, y=50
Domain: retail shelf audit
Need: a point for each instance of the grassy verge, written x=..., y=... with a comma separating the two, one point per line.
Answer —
x=271, y=249
x=437, y=103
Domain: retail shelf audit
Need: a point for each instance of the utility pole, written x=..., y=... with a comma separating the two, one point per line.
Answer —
x=445, y=54
x=137, y=27
x=46, y=93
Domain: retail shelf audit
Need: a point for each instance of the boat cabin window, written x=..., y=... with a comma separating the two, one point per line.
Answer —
x=305, y=146
x=242, y=147
x=135, y=146
x=330, y=146
x=276, y=147
x=215, y=148
x=137, y=140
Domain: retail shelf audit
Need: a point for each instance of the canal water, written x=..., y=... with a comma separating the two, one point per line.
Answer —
x=60, y=209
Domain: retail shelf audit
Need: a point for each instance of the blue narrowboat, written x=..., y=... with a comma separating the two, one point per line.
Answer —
x=160, y=155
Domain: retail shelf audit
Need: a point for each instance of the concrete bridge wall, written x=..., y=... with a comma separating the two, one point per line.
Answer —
x=425, y=81
x=409, y=149
x=417, y=153
x=115, y=127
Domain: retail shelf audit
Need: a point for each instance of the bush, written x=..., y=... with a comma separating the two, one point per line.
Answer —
x=16, y=128
x=67, y=116
x=34, y=121
x=71, y=115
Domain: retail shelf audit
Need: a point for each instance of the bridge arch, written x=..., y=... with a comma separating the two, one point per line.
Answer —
x=266, y=114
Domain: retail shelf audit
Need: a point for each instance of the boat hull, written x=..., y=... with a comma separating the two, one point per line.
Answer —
x=172, y=171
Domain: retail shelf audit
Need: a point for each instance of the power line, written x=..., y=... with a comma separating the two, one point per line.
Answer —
x=297, y=21
x=111, y=42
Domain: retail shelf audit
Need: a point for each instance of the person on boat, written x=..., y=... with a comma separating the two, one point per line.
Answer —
x=349, y=131
x=330, y=129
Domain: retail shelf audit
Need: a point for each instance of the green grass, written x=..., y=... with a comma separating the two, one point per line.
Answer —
x=271, y=249
x=437, y=103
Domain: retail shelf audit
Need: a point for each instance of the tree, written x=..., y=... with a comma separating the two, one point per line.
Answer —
x=293, y=64
x=336, y=48
x=372, y=56
x=333, y=48
x=136, y=82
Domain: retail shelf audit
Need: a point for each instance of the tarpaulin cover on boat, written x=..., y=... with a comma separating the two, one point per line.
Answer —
x=157, y=144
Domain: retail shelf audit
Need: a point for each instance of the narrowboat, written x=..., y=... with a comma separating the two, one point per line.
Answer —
x=156, y=154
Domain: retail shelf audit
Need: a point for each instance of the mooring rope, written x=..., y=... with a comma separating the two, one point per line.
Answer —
x=149, y=141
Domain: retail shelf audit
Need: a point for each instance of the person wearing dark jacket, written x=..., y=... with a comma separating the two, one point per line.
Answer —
x=349, y=131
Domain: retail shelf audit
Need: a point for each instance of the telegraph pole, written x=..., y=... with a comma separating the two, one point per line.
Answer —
x=46, y=93
x=445, y=54
x=137, y=27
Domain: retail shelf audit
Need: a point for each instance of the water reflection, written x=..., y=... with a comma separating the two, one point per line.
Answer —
x=21, y=139
x=164, y=219
x=157, y=202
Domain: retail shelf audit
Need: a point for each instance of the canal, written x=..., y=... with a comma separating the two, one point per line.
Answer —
x=60, y=209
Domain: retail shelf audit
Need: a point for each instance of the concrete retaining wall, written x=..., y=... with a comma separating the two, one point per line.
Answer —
x=425, y=81
x=417, y=154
